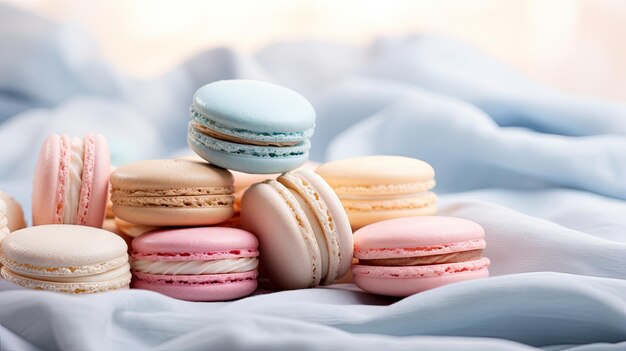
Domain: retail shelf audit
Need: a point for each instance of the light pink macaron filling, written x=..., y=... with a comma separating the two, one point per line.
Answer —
x=419, y=251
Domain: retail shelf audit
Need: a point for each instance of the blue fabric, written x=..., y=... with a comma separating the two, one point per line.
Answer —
x=543, y=171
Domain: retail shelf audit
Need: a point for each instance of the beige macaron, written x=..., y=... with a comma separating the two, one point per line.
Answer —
x=172, y=193
x=65, y=258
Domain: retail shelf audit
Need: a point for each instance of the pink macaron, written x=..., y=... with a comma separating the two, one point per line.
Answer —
x=71, y=182
x=404, y=256
x=196, y=264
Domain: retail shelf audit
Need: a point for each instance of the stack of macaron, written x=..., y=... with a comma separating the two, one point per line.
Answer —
x=249, y=205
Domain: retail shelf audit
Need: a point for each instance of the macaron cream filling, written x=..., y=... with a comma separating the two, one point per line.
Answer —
x=358, y=190
x=246, y=149
x=229, y=265
x=453, y=257
x=207, y=125
x=391, y=202
x=418, y=251
x=73, y=181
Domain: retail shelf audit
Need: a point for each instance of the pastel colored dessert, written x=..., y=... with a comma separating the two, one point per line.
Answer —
x=196, y=264
x=404, y=256
x=4, y=229
x=71, y=181
x=14, y=214
x=377, y=188
x=251, y=126
x=109, y=208
x=65, y=258
x=172, y=193
x=4, y=221
x=304, y=233
x=245, y=180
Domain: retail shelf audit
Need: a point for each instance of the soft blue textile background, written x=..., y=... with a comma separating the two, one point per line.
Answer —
x=543, y=171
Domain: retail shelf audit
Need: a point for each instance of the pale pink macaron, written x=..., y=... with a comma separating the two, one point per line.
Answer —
x=196, y=264
x=404, y=256
x=71, y=182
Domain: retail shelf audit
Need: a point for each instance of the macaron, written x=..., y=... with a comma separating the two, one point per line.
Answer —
x=196, y=264
x=172, y=193
x=4, y=228
x=377, y=188
x=71, y=181
x=404, y=256
x=13, y=214
x=244, y=180
x=65, y=258
x=4, y=221
x=251, y=126
x=304, y=234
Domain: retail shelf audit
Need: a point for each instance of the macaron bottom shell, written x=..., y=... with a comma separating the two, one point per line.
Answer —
x=166, y=216
x=208, y=287
x=77, y=287
x=408, y=280
x=241, y=157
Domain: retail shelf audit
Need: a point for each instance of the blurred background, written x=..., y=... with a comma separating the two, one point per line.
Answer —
x=568, y=44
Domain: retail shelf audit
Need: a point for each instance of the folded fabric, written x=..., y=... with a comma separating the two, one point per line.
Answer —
x=503, y=313
x=465, y=146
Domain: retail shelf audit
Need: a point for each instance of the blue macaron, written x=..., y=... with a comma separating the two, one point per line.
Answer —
x=251, y=126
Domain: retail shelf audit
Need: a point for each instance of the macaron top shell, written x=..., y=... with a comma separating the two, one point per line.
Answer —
x=417, y=236
x=58, y=246
x=254, y=106
x=377, y=170
x=165, y=174
x=181, y=244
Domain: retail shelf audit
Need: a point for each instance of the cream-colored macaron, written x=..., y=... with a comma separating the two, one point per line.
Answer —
x=377, y=188
x=65, y=258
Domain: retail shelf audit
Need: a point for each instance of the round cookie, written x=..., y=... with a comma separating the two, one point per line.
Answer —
x=71, y=181
x=377, y=188
x=196, y=264
x=172, y=193
x=304, y=233
x=251, y=126
x=403, y=256
x=65, y=258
